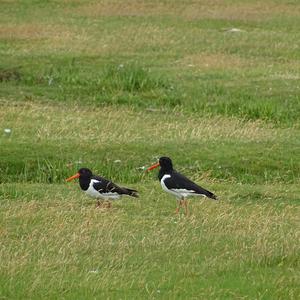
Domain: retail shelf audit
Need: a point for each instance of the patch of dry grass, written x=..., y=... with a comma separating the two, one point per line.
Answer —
x=125, y=8
x=33, y=31
x=45, y=37
x=253, y=10
x=131, y=39
x=215, y=61
x=92, y=124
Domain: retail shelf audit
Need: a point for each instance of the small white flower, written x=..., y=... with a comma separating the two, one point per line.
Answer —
x=235, y=30
x=141, y=168
x=117, y=161
x=94, y=271
x=7, y=130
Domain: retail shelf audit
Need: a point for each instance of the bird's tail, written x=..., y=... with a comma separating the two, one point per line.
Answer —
x=132, y=193
x=213, y=196
x=209, y=194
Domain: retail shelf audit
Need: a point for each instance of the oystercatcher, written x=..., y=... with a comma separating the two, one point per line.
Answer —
x=177, y=184
x=99, y=187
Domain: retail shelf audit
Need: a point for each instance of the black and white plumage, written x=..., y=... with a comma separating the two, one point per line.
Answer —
x=99, y=187
x=177, y=184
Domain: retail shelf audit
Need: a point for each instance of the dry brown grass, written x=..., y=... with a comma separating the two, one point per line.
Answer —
x=216, y=9
x=125, y=8
x=45, y=37
x=257, y=10
x=92, y=124
x=52, y=38
x=35, y=31
x=131, y=38
x=218, y=61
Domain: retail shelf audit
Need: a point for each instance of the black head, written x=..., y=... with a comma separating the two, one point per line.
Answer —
x=85, y=172
x=82, y=174
x=166, y=163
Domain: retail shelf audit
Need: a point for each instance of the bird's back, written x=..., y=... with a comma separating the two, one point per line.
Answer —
x=179, y=181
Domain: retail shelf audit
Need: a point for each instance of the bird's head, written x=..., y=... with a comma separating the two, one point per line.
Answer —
x=164, y=162
x=82, y=173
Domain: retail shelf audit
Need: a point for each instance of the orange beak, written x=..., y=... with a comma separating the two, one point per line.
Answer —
x=73, y=177
x=153, y=167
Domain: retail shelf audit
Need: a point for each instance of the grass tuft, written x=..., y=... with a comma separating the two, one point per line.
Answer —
x=130, y=78
x=9, y=75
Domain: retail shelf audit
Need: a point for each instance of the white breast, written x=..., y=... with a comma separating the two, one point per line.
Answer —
x=91, y=191
x=164, y=187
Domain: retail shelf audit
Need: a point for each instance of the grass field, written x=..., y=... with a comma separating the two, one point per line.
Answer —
x=114, y=85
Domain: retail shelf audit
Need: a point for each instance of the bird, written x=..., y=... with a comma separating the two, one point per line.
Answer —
x=177, y=184
x=99, y=187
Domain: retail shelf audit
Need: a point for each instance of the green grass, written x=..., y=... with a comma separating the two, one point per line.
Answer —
x=58, y=244
x=48, y=142
x=187, y=59
x=113, y=86
x=54, y=241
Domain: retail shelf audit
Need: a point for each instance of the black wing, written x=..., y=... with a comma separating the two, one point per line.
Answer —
x=179, y=181
x=107, y=186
